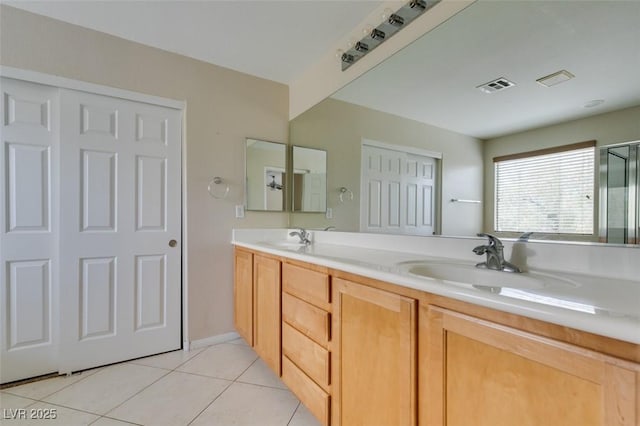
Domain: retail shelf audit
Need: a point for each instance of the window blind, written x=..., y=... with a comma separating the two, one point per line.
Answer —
x=548, y=192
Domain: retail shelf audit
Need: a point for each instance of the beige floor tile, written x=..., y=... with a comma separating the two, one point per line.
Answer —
x=9, y=401
x=260, y=374
x=174, y=400
x=239, y=341
x=223, y=361
x=249, y=405
x=169, y=360
x=108, y=388
x=105, y=421
x=57, y=416
x=303, y=417
x=44, y=388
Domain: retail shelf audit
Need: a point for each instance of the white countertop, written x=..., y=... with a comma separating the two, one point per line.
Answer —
x=600, y=304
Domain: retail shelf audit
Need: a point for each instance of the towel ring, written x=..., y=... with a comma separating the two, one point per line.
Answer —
x=345, y=191
x=215, y=182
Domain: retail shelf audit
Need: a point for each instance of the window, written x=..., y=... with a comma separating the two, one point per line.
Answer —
x=548, y=191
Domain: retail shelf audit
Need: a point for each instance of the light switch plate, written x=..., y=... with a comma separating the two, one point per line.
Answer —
x=329, y=213
x=239, y=211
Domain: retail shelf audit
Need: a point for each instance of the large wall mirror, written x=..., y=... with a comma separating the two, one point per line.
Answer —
x=266, y=166
x=309, y=179
x=497, y=79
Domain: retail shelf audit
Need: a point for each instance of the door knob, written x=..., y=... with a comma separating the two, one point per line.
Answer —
x=172, y=243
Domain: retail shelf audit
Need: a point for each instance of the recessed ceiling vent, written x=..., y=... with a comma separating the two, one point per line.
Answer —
x=555, y=78
x=496, y=85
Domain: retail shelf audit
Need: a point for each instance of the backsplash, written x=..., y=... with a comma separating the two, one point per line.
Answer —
x=603, y=260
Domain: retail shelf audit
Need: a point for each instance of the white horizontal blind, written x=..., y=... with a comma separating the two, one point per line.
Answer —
x=549, y=193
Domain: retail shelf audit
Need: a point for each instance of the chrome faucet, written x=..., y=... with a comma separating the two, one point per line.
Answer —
x=495, y=255
x=303, y=235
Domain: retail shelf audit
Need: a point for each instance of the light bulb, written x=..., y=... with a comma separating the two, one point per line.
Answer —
x=367, y=30
x=339, y=53
x=352, y=42
x=385, y=15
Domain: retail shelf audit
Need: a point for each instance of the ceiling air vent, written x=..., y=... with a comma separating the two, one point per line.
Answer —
x=496, y=85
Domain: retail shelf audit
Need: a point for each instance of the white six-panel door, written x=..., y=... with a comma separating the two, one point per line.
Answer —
x=398, y=192
x=120, y=263
x=90, y=256
x=28, y=217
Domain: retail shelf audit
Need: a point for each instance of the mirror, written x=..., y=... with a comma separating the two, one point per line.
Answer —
x=265, y=175
x=429, y=96
x=309, y=180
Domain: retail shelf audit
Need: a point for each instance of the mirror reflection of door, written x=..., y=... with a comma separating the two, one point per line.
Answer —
x=309, y=180
x=398, y=191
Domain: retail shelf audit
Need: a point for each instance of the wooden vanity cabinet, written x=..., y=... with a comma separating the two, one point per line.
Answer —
x=486, y=374
x=374, y=346
x=358, y=351
x=257, y=306
x=266, y=310
x=306, y=335
x=243, y=294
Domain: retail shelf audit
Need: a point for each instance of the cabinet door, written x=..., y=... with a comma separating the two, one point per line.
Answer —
x=266, y=310
x=243, y=294
x=375, y=356
x=482, y=373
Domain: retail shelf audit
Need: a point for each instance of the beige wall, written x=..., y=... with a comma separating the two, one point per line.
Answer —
x=223, y=108
x=610, y=128
x=339, y=127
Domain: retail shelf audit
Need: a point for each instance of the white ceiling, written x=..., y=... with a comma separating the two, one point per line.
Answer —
x=276, y=40
x=434, y=80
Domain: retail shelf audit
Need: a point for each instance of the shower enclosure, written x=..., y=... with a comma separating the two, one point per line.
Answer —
x=619, y=198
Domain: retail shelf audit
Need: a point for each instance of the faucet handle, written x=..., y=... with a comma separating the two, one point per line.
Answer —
x=493, y=240
x=525, y=237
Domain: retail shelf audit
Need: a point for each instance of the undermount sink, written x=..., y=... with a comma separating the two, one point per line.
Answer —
x=485, y=279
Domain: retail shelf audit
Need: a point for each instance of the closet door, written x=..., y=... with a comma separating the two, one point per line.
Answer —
x=120, y=212
x=28, y=234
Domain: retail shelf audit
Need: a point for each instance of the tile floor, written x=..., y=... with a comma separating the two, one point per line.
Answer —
x=224, y=384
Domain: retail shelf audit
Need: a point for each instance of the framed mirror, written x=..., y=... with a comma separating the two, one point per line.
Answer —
x=265, y=175
x=309, y=193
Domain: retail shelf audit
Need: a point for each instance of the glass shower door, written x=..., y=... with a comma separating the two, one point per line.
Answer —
x=619, y=207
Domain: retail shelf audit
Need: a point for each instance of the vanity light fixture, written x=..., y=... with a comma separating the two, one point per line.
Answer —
x=392, y=23
x=555, y=78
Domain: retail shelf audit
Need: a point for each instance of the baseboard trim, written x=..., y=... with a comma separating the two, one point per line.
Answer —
x=212, y=340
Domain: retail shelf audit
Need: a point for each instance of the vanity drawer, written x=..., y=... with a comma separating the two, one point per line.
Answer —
x=310, y=286
x=309, y=393
x=312, y=358
x=311, y=321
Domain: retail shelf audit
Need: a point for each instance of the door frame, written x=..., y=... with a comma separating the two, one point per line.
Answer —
x=67, y=83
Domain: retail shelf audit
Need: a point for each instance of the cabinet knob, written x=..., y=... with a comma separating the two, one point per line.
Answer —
x=173, y=243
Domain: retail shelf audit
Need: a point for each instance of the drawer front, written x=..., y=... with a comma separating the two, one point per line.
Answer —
x=313, y=322
x=312, y=358
x=309, y=393
x=308, y=285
